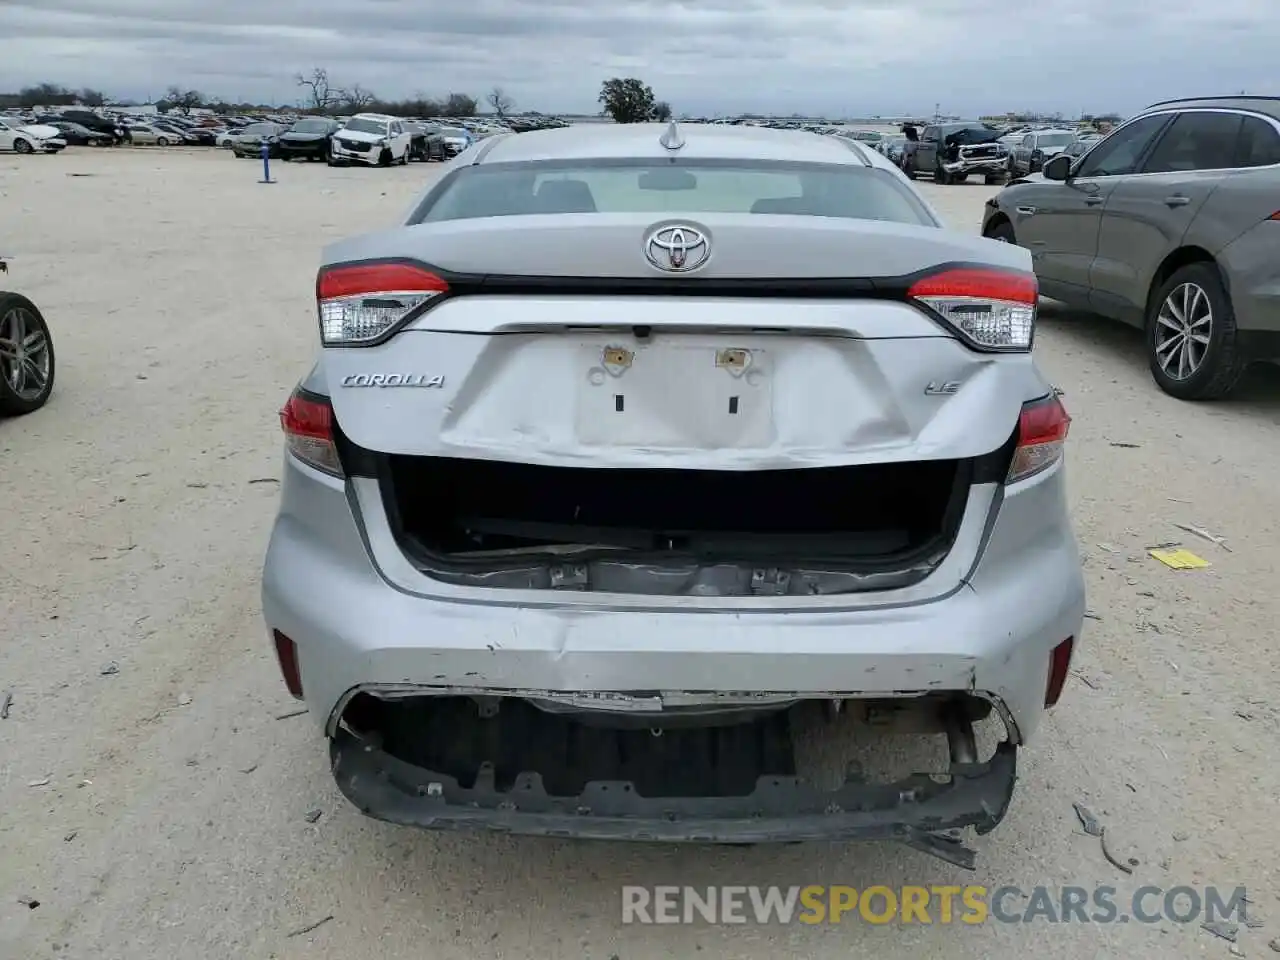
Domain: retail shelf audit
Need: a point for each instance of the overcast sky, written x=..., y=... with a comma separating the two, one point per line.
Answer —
x=834, y=57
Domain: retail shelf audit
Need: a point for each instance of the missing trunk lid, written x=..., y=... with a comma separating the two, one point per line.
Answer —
x=811, y=531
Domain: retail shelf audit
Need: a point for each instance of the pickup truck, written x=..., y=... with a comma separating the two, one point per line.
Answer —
x=952, y=152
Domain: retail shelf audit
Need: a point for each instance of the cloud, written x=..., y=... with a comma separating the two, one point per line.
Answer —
x=834, y=57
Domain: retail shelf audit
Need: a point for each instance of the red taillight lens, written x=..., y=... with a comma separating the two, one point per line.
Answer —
x=1059, y=667
x=359, y=303
x=1042, y=437
x=287, y=655
x=308, y=429
x=992, y=309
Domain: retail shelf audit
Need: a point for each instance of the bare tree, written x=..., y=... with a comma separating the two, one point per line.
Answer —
x=500, y=102
x=460, y=105
x=184, y=100
x=355, y=99
x=321, y=95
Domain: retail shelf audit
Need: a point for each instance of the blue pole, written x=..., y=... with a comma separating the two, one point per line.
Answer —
x=266, y=162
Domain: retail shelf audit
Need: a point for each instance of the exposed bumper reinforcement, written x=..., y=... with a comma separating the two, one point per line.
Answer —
x=913, y=810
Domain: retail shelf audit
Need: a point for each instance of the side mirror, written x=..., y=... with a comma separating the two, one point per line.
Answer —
x=1058, y=167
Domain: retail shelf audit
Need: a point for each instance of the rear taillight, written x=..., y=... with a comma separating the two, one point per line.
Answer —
x=359, y=303
x=308, y=429
x=1059, y=667
x=1042, y=436
x=992, y=309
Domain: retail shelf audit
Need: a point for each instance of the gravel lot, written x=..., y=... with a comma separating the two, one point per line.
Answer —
x=136, y=508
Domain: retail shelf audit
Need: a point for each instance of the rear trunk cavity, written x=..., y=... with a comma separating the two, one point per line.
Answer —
x=676, y=532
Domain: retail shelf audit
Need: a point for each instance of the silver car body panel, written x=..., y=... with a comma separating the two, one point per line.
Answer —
x=848, y=382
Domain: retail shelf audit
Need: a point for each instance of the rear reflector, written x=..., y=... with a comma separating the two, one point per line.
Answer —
x=1042, y=437
x=287, y=655
x=360, y=303
x=1059, y=666
x=992, y=309
x=308, y=429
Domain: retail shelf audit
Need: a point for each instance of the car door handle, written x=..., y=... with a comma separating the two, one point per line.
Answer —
x=1094, y=201
x=1177, y=200
x=1026, y=211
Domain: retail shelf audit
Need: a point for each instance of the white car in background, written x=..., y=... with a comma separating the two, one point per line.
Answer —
x=30, y=138
x=372, y=138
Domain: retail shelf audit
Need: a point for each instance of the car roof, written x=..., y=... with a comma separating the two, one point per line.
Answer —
x=1265, y=105
x=381, y=117
x=596, y=141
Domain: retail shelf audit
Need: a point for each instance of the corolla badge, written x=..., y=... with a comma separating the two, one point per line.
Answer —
x=393, y=380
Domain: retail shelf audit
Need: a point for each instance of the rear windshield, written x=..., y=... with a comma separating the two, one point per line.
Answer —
x=803, y=189
x=366, y=126
x=257, y=129
x=1054, y=139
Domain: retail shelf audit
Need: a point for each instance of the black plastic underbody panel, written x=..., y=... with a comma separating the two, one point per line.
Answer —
x=780, y=808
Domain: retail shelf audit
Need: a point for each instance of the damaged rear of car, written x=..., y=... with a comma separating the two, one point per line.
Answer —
x=642, y=486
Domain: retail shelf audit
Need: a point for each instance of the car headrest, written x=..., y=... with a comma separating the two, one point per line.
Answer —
x=564, y=196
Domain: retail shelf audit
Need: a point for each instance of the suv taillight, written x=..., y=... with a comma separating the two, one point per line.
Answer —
x=307, y=421
x=991, y=309
x=359, y=303
x=1042, y=437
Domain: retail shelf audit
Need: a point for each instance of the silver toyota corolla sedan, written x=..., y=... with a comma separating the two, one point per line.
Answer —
x=635, y=452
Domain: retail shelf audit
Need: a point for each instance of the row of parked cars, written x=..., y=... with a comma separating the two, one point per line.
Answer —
x=407, y=139
x=367, y=138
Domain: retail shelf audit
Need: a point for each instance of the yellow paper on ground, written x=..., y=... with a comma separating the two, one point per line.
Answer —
x=1180, y=559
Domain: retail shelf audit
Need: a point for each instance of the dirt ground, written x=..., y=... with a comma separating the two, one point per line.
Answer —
x=174, y=821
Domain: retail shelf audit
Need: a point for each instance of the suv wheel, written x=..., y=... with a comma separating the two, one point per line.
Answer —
x=21, y=146
x=1191, y=335
x=1002, y=231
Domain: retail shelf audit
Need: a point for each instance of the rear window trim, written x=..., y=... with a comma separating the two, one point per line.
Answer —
x=434, y=195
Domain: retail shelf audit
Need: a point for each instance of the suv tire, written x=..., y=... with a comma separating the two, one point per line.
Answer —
x=1195, y=298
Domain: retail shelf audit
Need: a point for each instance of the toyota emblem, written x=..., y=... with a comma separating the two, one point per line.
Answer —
x=677, y=248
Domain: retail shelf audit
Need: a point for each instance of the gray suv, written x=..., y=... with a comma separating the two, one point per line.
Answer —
x=1170, y=224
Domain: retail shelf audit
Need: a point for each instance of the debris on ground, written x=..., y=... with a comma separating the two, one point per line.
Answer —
x=198, y=486
x=1090, y=615
x=1180, y=836
x=1179, y=558
x=1124, y=445
x=249, y=769
x=291, y=713
x=5, y=702
x=1221, y=928
x=1275, y=944
x=1094, y=828
x=184, y=700
x=29, y=902
x=264, y=480
x=1087, y=820
x=109, y=669
x=39, y=783
x=1204, y=534
x=70, y=835
x=307, y=929
x=1111, y=858
x=313, y=815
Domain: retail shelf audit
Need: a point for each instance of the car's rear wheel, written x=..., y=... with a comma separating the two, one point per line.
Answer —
x=26, y=356
x=22, y=146
x=1192, y=341
x=1002, y=230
